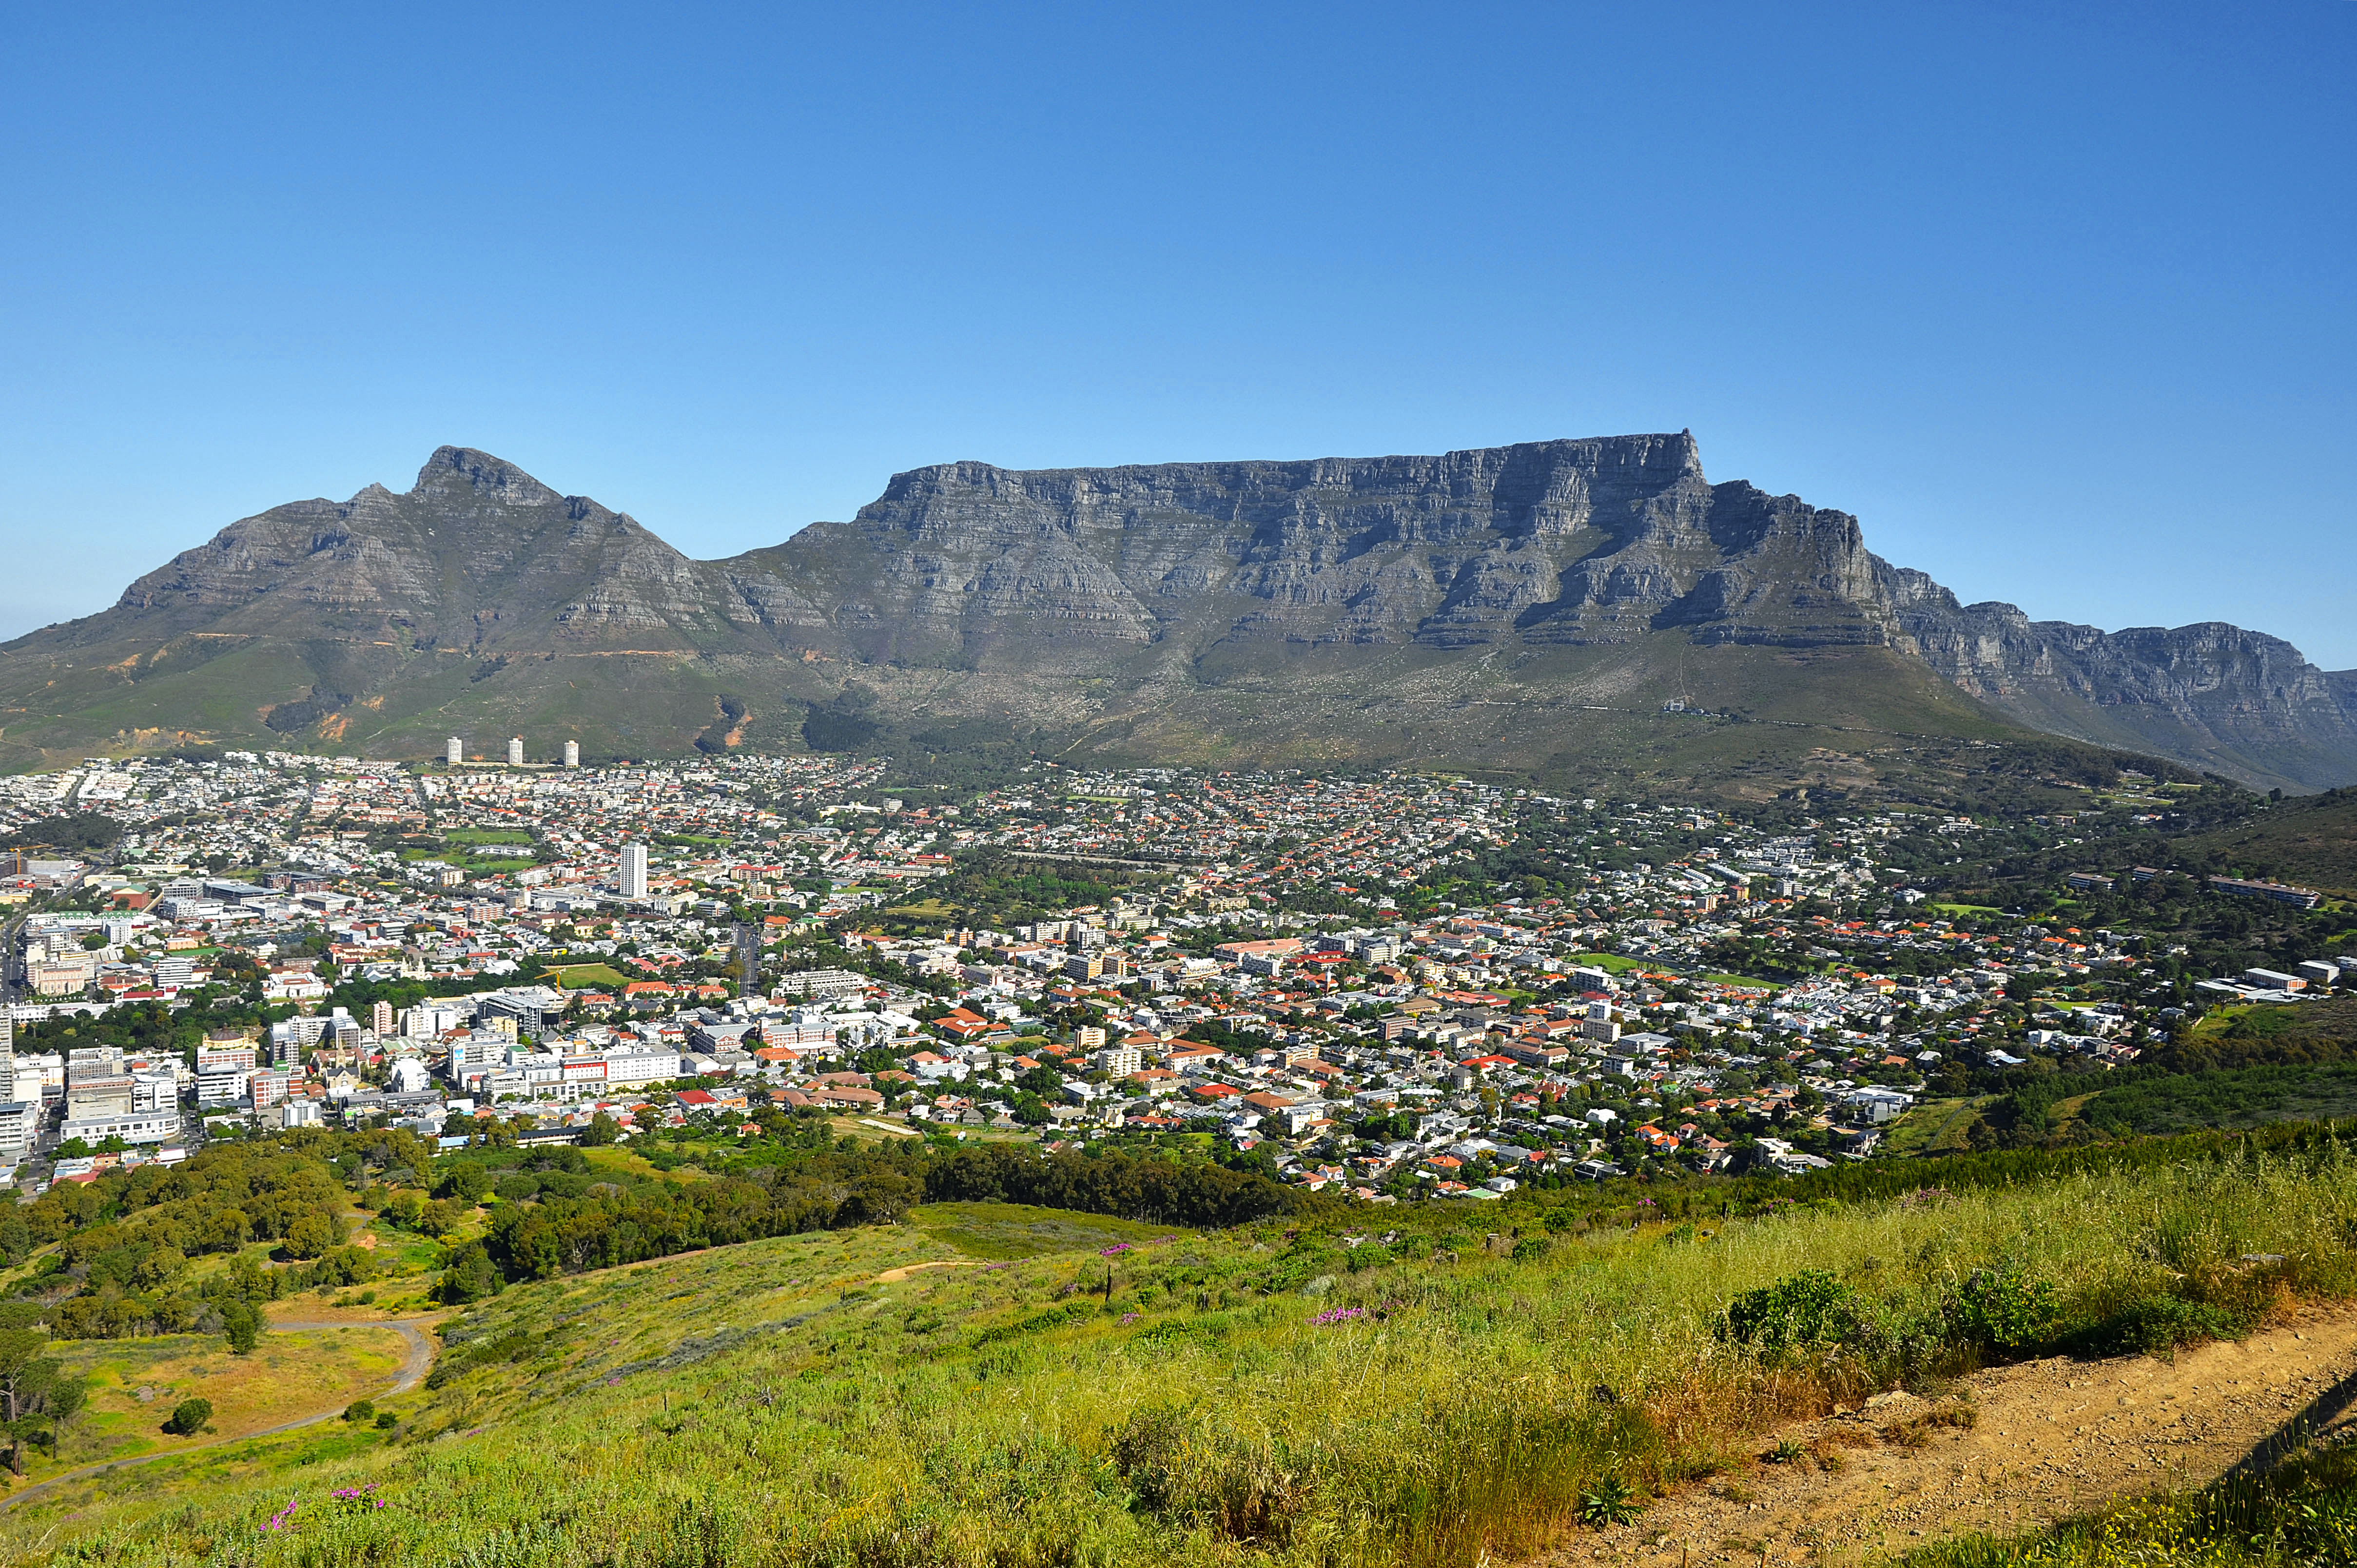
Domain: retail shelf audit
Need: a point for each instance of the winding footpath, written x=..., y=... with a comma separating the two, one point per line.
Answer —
x=412, y=1372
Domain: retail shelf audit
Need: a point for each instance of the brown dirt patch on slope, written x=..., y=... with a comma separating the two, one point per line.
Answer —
x=2006, y=1451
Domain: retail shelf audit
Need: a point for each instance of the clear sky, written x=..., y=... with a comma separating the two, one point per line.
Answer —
x=2057, y=299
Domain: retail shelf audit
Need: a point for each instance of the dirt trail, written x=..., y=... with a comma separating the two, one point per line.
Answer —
x=414, y=1368
x=2049, y=1439
x=894, y=1277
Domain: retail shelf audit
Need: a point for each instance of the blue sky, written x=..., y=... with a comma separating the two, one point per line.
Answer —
x=2059, y=300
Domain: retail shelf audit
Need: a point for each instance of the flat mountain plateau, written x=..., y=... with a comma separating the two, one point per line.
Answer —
x=1565, y=611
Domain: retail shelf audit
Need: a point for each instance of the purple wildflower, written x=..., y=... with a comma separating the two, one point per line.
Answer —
x=1334, y=1315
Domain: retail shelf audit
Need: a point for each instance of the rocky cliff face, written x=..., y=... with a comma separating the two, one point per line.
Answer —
x=1163, y=577
x=1556, y=542
x=2211, y=694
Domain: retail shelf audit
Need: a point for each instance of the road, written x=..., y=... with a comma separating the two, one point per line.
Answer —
x=749, y=958
x=412, y=1372
x=8, y=955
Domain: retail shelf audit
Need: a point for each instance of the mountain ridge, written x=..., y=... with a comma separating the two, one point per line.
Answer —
x=1151, y=595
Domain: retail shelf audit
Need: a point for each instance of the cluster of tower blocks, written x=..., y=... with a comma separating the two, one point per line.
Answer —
x=454, y=752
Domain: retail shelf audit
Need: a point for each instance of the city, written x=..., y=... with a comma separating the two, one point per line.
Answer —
x=1325, y=978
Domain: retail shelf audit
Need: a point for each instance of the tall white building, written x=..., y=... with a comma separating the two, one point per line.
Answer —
x=572, y=754
x=515, y=751
x=454, y=752
x=8, y=1056
x=632, y=875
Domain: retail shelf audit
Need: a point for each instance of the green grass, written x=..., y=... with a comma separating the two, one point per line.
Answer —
x=1965, y=908
x=999, y=1231
x=581, y=976
x=2302, y=1515
x=781, y=1401
x=477, y=865
x=1932, y=1124
x=486, y=835
x=1610, y=961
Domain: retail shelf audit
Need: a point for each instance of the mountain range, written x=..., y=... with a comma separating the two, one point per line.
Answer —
x=1556, y=607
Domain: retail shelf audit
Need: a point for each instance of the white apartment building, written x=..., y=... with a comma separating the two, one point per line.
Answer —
x=140, y=1127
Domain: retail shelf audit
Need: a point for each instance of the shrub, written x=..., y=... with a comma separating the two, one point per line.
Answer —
x=2001, y=1310
x=1531, y=1247
x=2155, y=1326
x=243, y=1324
x=189, y=1417
x=1811, y=1307
x=471, y=1276
x=464, y=1182
x=439, y=1218
x=360, y=1410
x=517, y=1188
x=310, y=1235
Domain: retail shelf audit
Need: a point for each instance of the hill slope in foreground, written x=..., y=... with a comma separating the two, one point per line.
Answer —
x=961, y=1389
x=1528, y=608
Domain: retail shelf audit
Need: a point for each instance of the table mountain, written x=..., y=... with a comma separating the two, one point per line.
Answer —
x=1532, y=606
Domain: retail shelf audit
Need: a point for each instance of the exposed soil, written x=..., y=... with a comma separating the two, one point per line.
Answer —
x=894, y=1277
x=2008, y=1451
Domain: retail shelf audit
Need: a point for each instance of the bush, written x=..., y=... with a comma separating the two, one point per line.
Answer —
x=1531, y=1247
x=189, y=1417
x=2000, y=1310
x=243, y=1324
x=464, y=1182
x=1809, y=1308
x=471, y=1276
x=2155, y=1326
x=517, y=1188
x=360, y=1410
x=310, y=1235
x=439, y=1218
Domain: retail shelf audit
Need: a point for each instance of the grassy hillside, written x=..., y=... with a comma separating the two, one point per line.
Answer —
x=2310, y=842
x=988, y=1384
x=1755, y=722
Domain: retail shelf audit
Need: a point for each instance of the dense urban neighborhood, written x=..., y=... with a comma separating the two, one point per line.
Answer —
x=1398, y=987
